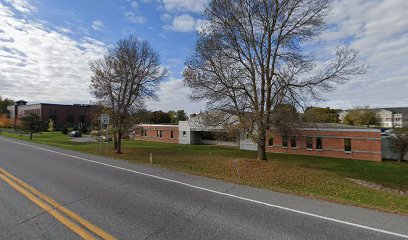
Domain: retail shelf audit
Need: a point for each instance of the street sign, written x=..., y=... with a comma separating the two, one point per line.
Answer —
x=104, y=119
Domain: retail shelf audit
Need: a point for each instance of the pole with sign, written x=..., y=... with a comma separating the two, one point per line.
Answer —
x=105, y=121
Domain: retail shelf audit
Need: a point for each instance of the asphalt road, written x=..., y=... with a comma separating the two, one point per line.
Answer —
x=135, y=201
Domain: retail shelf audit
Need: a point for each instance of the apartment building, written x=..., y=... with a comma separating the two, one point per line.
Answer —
x=393, y=117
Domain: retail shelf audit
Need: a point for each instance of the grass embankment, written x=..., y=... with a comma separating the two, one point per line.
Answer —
x=318, y=177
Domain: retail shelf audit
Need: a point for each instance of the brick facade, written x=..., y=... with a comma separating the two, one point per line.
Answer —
x=329, y=140
x=365, y=145
x=169, y=133
x=76, y=115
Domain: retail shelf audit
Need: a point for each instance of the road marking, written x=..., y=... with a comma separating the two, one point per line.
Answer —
x=217, y=192
x=98, y=231
x=53, y=212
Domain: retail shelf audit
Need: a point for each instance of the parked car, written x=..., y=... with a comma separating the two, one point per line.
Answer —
x=75, y=133
x=103, y=138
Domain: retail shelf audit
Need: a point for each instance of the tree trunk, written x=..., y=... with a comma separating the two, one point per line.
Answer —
x=401, y=157
x=115, y=141
x=262, y=150
x=119, y=143
x=31, y=135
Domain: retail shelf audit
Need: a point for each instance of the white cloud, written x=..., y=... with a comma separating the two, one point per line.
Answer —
x=166, y=17
x=21, y=5
x=173, y=95
x=134, y=5
x=97, y=25
x=39, y=64
x=378, y=29
x=185, y=23
x=184, y=5
x=133, y=18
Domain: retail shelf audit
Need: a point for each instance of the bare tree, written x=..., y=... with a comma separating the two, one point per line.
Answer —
x=401, y=142
x=124, y=78
x=250, y=58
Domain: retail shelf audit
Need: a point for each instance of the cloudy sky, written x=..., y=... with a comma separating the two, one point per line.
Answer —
x=45, y=47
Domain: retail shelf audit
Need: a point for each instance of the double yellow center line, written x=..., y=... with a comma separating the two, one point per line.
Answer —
x=71, y=220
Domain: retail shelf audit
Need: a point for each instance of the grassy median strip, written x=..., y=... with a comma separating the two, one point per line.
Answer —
x=317, y=177
x=54, y=209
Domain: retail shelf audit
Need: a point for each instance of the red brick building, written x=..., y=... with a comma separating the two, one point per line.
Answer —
x=157, y=133
x=318, y=139
x=330, y=140
x=77, y=115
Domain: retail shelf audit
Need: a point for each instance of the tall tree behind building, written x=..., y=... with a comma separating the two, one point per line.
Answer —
x=250, y=57
x=362, y=117
x=321, y=115
x=4, y=103
x=128, y=74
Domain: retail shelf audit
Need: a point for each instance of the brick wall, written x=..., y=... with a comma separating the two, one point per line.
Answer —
x=149, y=133
x=364, y=145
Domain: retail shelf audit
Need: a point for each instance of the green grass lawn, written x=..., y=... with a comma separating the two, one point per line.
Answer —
x=318, y=177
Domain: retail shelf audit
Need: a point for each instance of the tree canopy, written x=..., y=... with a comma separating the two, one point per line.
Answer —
x=362, y=117
x=321, y=115
x=31, y=124
x=250, y=57
x=128, y=74
x=4, y=103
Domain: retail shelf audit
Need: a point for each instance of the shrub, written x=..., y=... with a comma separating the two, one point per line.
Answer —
x=64, y=130
x=84, y=130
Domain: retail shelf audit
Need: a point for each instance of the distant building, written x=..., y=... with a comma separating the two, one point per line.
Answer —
x=393, y=117
x=317, y=139
x=77, y=115
x=389, y=117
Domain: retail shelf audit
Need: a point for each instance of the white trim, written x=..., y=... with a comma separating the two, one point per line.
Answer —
x=156, y=125
x=342, y=129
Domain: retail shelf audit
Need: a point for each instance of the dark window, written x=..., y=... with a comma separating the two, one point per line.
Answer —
x=184, y=133
x=171, y=134
x=270, y=141
x=347, y=144
x=144, y=132
x=285, y=141
x=293, y=141
x=70, y=120
x=159, y=133
x=309, y=142
x=82, y=118
x=319, y=143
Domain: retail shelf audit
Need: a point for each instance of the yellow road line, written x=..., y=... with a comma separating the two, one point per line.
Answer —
x=68, y=223
x=98, y=231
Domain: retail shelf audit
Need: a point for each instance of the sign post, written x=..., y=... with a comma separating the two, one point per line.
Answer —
x=105, y=121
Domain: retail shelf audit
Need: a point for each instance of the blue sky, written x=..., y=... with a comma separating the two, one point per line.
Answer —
x=110, y=20
x=45, y=47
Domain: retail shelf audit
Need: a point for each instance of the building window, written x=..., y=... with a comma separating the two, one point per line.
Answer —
x=159, y=133
x=270, y=141
x=319, y=143
x=70, y=120
x=184, y=133
x=82, y=118
x=144, y=133
x=293, y=142
x=171, y=134
x=309, y=142
x=285, y=141
x=347, y=144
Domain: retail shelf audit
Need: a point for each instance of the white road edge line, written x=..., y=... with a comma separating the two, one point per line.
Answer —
x=219, y=193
